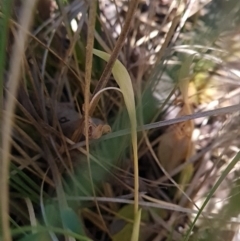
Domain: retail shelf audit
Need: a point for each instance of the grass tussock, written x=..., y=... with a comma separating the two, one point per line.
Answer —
x=119, y=120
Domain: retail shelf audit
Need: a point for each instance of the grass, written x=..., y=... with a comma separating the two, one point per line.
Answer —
x=64, y=176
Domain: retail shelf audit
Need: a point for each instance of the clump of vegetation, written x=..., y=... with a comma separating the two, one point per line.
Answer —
x=119, y=120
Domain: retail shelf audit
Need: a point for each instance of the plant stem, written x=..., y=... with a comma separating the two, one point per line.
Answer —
x=14, y=73
x=119, y=44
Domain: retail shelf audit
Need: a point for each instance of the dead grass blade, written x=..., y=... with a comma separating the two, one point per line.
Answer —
x=15, y=65
x=88, y=73
x=119, y=44
x=219, y=111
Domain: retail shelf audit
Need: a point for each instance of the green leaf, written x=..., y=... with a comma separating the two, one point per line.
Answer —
x=36, y=237
x=136, y=226
x=52, y=215
x=5, y=7
x=125, y=227
x=71, y=221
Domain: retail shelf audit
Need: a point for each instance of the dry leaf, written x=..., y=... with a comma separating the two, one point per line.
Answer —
x=97, y=128
x=175, y=145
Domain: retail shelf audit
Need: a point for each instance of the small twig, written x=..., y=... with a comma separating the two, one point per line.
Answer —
x=152, y=203
x=167, y=40
x=88, y=72
x=119, y=44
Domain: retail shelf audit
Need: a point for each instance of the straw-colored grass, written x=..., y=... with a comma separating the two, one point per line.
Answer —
x=119, y=120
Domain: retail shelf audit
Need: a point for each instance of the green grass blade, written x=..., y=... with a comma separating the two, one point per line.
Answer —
x=136, y=226
x=124, y=81
x=4, y=21
x=212, y=191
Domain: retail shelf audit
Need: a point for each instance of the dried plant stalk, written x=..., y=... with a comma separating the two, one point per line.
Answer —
x=176, y=144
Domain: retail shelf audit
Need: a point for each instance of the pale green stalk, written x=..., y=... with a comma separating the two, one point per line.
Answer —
x=124, y=81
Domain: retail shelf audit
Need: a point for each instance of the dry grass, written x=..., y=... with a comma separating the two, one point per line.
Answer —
x=65, y=178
